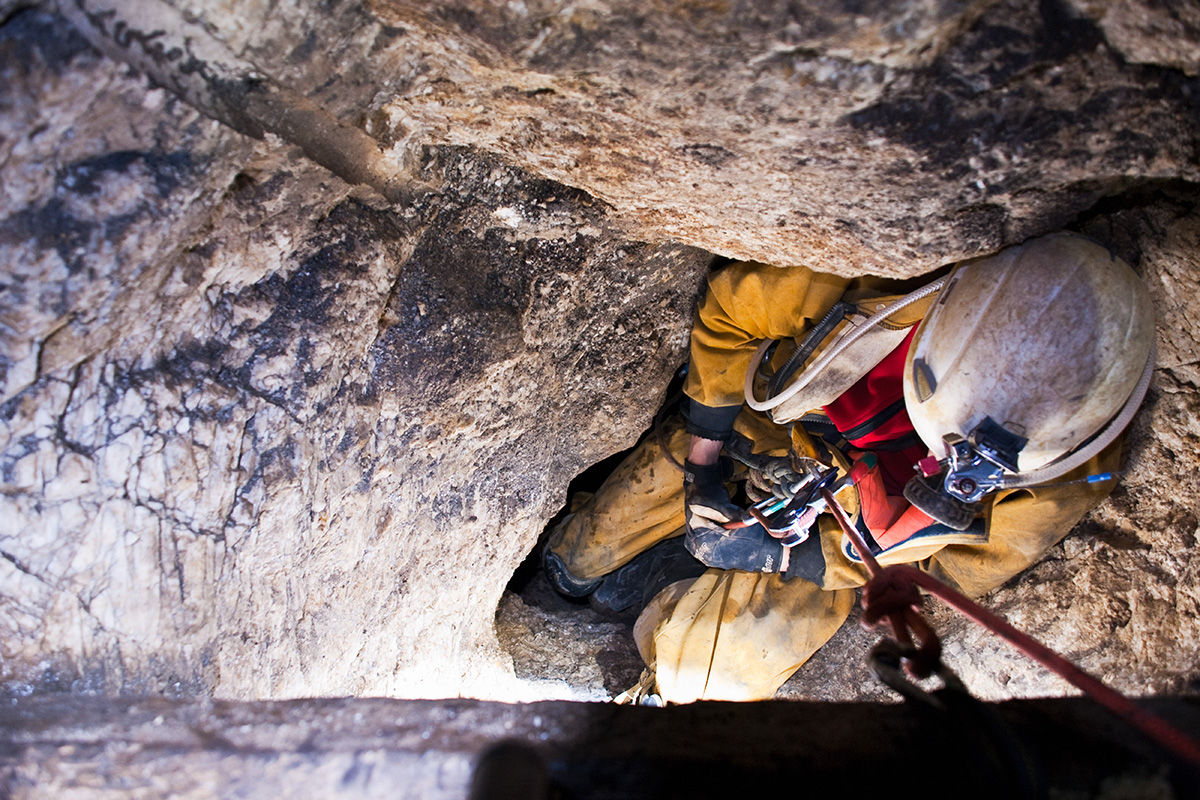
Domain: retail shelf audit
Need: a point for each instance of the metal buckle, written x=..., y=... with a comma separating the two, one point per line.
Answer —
x=976, y=466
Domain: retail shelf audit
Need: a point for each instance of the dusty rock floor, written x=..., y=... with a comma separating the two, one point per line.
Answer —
x=555, y=637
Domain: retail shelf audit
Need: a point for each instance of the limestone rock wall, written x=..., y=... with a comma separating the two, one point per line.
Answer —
x=882, y=138
x=265, y=434
x=864, y=138
x=368, y=748
x=264, y=437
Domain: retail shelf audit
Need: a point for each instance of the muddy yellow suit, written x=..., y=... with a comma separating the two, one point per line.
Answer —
x=734, y=635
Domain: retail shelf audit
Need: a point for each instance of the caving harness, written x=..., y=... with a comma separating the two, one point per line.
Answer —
x=1025, y=365
x=792, y=499
x=983, y=452
x=861, y=437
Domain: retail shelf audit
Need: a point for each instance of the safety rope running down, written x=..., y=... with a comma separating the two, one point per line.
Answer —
x=893, y=594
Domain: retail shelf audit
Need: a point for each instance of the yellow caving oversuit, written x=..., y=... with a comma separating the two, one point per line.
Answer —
x=739, y=635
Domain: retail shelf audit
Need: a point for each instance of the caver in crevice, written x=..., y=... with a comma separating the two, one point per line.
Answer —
x=965, y=427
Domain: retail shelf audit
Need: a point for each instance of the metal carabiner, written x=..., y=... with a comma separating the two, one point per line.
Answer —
x=887, y=659
x=791, y=524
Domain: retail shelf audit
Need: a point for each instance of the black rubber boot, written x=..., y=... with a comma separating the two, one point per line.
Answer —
x=632, y=586
x=561, y=578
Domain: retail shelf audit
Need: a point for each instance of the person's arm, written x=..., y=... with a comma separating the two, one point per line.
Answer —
x=745, y=303
x=704, y=452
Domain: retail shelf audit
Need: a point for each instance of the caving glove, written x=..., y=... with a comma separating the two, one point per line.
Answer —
x=750, y=549
x=705, y=496
x=707, y=506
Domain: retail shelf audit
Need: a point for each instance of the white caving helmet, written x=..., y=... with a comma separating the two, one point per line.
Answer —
x=1028, y=363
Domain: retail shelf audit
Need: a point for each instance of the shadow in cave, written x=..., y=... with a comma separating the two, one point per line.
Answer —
x=589, y=481
x=529, y=573
x=552, y=637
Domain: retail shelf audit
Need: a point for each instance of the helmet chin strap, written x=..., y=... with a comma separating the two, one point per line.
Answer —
x=1102, y=440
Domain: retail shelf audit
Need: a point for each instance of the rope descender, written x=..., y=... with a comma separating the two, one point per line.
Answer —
x=791, y=511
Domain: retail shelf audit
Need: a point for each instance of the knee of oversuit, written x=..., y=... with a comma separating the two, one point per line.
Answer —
x=735, y=635
x=732, y=635
x=637, y=506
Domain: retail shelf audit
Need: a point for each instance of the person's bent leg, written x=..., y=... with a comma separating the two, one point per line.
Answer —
x=732, y=635
x=639, y=505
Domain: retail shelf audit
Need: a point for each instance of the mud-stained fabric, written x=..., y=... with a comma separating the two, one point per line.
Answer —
x=641, y=502
x=639, y=505
x=1023, y=524
x=746, y=303
x=732, y=635
x=735, y=635
x=740, y=635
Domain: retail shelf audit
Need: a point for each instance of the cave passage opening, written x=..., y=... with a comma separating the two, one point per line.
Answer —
x=837, y=672
x=547, y=632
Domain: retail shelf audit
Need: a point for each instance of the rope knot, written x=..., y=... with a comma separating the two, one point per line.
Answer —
x=889, y=592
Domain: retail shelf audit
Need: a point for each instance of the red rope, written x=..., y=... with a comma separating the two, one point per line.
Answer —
x=892, y=593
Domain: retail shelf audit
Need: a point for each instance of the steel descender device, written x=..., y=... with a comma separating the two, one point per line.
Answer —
x=789, y=516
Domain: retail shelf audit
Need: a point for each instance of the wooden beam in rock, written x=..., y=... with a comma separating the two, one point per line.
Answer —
x=183, y=57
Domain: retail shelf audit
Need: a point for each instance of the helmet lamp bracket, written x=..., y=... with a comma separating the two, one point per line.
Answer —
x=977, y=465
x=997, y=444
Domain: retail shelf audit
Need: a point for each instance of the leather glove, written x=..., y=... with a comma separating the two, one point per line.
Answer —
x=707, y=505
x=705, y=496
x=750, y=549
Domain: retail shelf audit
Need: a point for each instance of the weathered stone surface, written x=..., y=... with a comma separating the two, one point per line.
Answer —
x=264, y=438
x=889, y=139
x=1165, y=34
x=264, y=435
x=335, y=748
